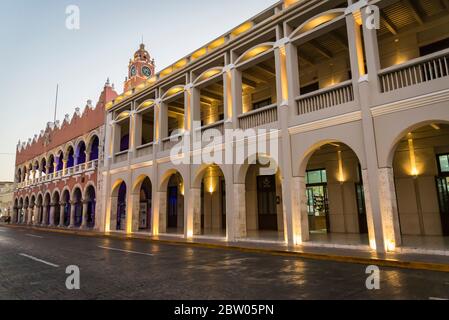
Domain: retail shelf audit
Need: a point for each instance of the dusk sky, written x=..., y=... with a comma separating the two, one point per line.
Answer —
x=37, y=51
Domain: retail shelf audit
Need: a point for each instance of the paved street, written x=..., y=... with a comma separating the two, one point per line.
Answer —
x=33, y=265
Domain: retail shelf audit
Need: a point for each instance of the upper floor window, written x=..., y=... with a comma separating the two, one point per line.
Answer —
x=443, y=163
x=316, y=177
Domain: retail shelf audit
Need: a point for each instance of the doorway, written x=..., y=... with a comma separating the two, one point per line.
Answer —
x=267, y=202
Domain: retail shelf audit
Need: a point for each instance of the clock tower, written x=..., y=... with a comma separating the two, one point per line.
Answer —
x=140, y=68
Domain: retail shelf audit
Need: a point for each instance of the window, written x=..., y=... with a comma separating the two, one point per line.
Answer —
x=316, y=177
x=443, y=161
x=262, y=104
x=310, y=88
x=434, y=47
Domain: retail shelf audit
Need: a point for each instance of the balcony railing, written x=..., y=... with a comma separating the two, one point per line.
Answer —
x=88, y=166
x=145, y=150
x=219, y=125
x=416, y=71
x=121, y=156
x=258, y=117
x=325, y=98
x=170, y=142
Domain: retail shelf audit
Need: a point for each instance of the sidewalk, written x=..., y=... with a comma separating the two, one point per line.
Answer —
x=402, y=259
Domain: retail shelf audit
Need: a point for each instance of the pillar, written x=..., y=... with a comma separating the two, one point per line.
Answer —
x=236, y=91
x=44, y=215
x=52, y=214
x=300, y=219
x=160, y=211
x=38, y=214
x=195, y=209
x=239, y=222
x=72, y=214
x=85, y=214
x=62, y=215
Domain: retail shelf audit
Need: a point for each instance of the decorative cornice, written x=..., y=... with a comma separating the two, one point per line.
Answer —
x=325, y=123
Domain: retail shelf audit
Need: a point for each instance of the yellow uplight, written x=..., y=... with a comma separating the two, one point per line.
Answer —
x=242, y=29
x=109, y=105
x=180, y=64
x=341, y=175
x=255, y=52
x=128, y=93
x=174, y=91
x=199, y=53
x=391, y=246
x=413, y=169
x=217, y=43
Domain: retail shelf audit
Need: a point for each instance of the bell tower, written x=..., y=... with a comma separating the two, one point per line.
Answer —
x=140, y=68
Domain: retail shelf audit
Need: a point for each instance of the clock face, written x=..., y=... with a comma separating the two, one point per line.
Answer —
x=133, y=71
x=146, y=72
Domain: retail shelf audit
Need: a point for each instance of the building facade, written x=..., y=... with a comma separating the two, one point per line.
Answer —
x=57, y=171
x=354, y=98
x=6, y=198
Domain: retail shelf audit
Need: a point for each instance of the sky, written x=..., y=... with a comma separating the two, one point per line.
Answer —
x=37, y=52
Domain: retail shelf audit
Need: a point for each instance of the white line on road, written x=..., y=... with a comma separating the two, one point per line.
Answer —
x=34, y=236
x=39, y=260
x=127, y=251
x=437, y=299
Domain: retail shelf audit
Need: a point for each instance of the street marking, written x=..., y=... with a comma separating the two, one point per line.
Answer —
x=34, y=236
x=39, y=260
x=438, y=299
x=127, y=251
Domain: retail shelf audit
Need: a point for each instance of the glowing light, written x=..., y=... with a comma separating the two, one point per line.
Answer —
x=180, y=64
x=217, y=43
x=189, y=234
x=391, y=246
x=109, y=105
x=297, y=239
x=288, y=3
x=242, y=29
x=174, y=91
x=413, y=169
x=372, y=244
x=435, y=126
x=341, y=175
x=255, y=52
x=128, y=93
x=199, y=53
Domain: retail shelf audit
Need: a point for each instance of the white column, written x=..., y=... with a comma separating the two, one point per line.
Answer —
x=72, y=214
x=44, y=214
x=52, y=214
x=239, y=223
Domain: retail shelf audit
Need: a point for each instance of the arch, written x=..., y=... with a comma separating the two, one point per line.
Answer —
x=122, y=116
x=208, y=74
x=333, y=192
x=255, y=52
x=19, y=175
x=56, y=199
x=147, y=104
x=403, y=132
x=165, y=177
x=142, y=200
x=118, y=206
x=90, y=198
x=77, y=198
x=51, y=163
x=80, y=155
x=43, y=166
x=265, y=159
x=314, y=146
x=46, y=209
x=173, y=91
x=93, y=147
x=210, y=205
x=70, y=154
x=318, y=21
x=172, y=220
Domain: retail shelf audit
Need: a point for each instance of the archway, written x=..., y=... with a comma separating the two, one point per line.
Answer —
x=60, y=164
x=81, y=153
x=90, y=197
x=263, y=202
x=175, y=204
x=118, y=217
x=421, y=176
x=212, y=201
x=70, y=157
x=94, y=144
x=335, y=195
x=20, y=217
x=33, y=206
x=145, y=205
x=51, y=164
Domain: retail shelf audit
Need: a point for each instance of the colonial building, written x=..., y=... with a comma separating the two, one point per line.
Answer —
x=57, y=170
x=356, y=98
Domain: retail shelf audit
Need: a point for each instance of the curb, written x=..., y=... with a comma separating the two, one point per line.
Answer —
x=393, y=263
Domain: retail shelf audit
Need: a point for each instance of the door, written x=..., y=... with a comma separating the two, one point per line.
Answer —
x=318, y=207
x=361, y=208
x=172, y=208
x=443, y=199
x=266, y=199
